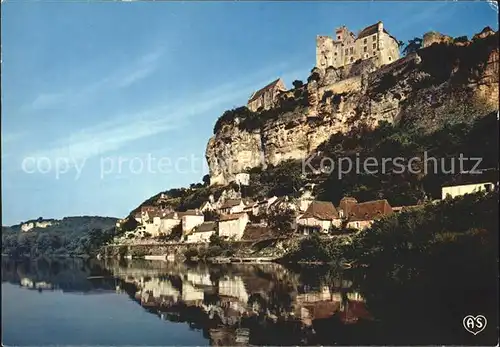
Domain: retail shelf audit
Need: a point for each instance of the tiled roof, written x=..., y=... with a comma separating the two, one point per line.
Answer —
x=190, y=213
x=346, y=204
x=370, y=210
x=233, y=216
x=322, y=210
x=370, y=30
x=260, y=92
x=206, y=226
x=231, y=203
x=171, y=215
x=248, y=202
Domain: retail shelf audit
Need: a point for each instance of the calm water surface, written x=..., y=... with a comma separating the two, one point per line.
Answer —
x=48, y=302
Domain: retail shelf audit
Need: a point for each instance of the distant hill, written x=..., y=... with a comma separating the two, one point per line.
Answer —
x=68, y=236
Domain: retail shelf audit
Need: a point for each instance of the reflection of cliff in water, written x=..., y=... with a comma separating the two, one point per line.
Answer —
x=243, y=304
x=68, y=275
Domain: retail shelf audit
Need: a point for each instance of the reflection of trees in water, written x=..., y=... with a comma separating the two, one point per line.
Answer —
x=67, y=275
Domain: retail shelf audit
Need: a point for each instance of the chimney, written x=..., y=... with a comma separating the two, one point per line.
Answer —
x=380, y=27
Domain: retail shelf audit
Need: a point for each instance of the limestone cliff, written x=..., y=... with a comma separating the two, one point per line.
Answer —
x=444, y=82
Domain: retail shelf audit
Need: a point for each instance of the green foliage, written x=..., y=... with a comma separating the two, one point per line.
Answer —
x=70, y=236
x=229, y=116
x=478, y=139
x=283, y=179
x=318, y=248
x=206, y=180
x=211, y=216
x=413, y=45
x=191, y=252
x=281, y=221
x=297, y=84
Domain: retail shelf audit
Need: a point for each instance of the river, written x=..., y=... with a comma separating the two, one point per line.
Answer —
x=155, y=303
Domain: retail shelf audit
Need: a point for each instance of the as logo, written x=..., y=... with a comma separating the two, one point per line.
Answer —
x=474, y=325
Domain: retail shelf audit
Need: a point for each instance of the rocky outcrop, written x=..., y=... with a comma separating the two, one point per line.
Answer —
x=445, y=82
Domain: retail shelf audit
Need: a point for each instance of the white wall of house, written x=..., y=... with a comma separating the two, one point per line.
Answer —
x=234, y=209
x=167, y=225
x=308, y=224
x=203, y=236
x=455, y=191
x=207, y=207
x=242, y=179
x=190, y=222
x=359, y=225
x=233, y=228
x=234, y=287
x=190, y=293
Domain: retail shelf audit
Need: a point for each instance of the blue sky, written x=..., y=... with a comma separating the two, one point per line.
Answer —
x=85, y=85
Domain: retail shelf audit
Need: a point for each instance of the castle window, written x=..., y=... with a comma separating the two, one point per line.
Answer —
x=352, y=59
x=364, y=41
x=374, y=46
x=365, y=49
x=374, y=53
x=335, y=53
x=374, y=37
x=338, y=37
x=390, y=58
x=346, y=51
x=351, y=50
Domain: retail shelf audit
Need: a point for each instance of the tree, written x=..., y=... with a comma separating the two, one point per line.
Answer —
x=211, y=216
x=281, y=220
x=297, y=84
x=206, y=180
x=413, y=45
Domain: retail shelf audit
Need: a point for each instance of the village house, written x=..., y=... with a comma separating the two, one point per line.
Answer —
x=284, y=203
x=454, y=191
x=306, y=197
x=362, y=215
x=320, y=216
x=202, y=232
x=232, y=226
x=251, y=207
x=266, y=97
x=402, y=209
x=242, y=179
x=206, y=206
x=191, y=219
x=231, y=206
x=169, y=222
x=373, y=42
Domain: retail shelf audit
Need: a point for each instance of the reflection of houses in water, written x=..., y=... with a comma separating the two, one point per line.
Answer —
x=247, y=303
x=31, y=284
x=234, y=287
x=200, y=279
x=191, y=294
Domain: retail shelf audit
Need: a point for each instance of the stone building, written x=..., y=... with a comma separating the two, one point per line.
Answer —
x=320, y=216
x=346, y=48
x=362, y=215
x=202, y=233
x=232, y=226
x=191, y=219
x=266, y=97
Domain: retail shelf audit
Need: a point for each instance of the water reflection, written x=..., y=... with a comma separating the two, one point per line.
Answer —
x=265, y=304
x=242, y=304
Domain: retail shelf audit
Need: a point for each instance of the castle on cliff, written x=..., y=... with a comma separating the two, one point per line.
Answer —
x=373, y=42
